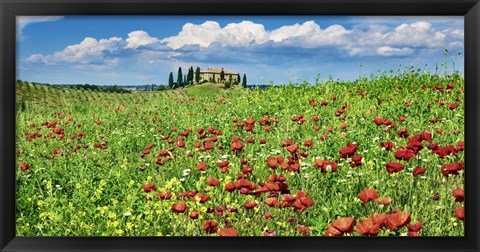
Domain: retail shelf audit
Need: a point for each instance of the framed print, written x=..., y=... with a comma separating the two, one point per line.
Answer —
x=310, y=125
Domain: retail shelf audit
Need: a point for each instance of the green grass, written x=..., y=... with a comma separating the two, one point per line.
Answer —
x=210, y=89
x=98, y=192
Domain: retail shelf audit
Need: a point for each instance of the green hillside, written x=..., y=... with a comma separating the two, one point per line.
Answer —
x=34, y=95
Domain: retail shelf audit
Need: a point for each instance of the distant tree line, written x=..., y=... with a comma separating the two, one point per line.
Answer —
x=86, y=87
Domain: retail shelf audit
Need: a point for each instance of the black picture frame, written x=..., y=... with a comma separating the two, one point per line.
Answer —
x=470, y=9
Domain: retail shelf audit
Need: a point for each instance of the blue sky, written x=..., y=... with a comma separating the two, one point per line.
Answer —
x=128, y=50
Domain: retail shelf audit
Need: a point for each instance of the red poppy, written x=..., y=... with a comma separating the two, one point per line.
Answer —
x=201, y=166
x=230, y=187
x=453, y=106
x=404, y=153
x=460, y=213
x=344, y=225
x=250, y=140
x=452, y=168
x=418, y=170
x=348, y=151
x=207, y=145
x=458, y=194
x=272, y=162
x=223, y=164
x=368, y=194
x=250, y=121
x=292, y=148
x=245, y=183
x=393, y=167
x=268, y=216
x=411, y=233
x=272, y=202
x=427, y=136
x=200, y=197
x=308, y=143
x=263, y=141
x=228, y=232
x=251, y=204
x=415, y=227
x=314, y=119
x=164, y=195
x=380, y=218
x=288, y=198
x=149, y=187
x=326, y=166
x=303, y=230
x=356, y=161
x=180, y=142
x=24, y=166
x=398, y=219
x=434, y=120
x=343, y=126
x=194, y=214
x=247, y=170
x=179, y=207
x=367, y=227
x=212, y=181
x=237, y=147
x=210, y=226
x=332, y=231
x=403, y=133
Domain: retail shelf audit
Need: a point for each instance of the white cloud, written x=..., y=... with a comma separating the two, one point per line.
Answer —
x=242, y=34
x=23, y=21
x=191, y=34
x=234, y=34
x=391, y=51
x=139, y=38
x=89, y=52
x=296, y=30
x=372, y=40
x=202, y=42
x=418, y=34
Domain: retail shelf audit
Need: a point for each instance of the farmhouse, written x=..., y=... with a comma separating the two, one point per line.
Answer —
x=213, y=75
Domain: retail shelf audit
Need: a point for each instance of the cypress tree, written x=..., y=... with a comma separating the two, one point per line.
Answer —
x=179, y=77
x=190, y=75
x=244, y=81
x=197, y=75
x=222, y=75
x=170, y=80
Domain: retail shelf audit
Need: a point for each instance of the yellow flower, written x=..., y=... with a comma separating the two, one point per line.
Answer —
x=40, y=203
x=111, y=215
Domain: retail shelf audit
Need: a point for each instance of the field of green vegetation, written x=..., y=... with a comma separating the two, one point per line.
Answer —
x=382, y=156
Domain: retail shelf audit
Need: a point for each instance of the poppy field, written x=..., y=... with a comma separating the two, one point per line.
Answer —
x=379, y=156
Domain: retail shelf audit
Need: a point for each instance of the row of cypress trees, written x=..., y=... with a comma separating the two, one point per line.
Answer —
x=194, y=77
